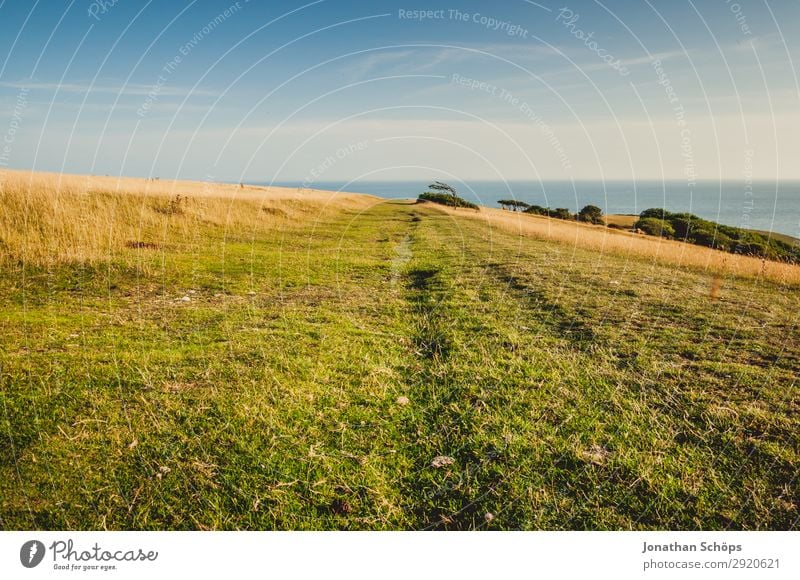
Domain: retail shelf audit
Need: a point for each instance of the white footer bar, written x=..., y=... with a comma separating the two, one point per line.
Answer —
x=388, y=555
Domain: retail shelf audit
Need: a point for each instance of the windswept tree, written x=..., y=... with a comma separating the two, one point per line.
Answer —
x=445, y=199
x=514, y=204
x=445, y=195
x=443, y=187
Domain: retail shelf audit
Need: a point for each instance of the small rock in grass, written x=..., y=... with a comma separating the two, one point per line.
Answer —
x=186, y=299
x=442, y=461
x=489, y=517
x=402, y=401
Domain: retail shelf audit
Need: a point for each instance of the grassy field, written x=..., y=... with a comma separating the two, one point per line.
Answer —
x=269, y=359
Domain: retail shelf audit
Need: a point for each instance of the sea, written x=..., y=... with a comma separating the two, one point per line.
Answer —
x=759, y=205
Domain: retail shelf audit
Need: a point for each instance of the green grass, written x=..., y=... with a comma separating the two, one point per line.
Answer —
x=572, y=390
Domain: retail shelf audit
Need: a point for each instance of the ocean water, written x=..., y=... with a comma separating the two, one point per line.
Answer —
x=767, y=206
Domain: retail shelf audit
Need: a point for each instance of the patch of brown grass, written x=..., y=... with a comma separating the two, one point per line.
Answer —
x=49, y=218
x=621, y=221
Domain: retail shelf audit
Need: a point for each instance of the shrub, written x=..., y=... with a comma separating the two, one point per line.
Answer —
x=682, y=228
x=561, y=213
x=752, y=249
x=655, y=227
x=655, y=212
x=695, y=230
x=711, y=238
x=538, y=210
x=591, y=214
x=724, y=242
x=446, y=199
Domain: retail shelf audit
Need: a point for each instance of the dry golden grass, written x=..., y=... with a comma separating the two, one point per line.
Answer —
x=603, y=239
x=48, y=218
x=620, y=220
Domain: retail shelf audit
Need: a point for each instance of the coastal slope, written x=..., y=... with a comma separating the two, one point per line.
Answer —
x=218, y=359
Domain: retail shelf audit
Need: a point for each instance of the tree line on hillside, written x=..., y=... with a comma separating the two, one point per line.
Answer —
x=687, y=227
x=590, y=213
x=445, y=194
x=683, y=227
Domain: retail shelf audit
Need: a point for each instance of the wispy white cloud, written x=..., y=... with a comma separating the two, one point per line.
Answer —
x=662, y=56
x=594, y=65
x=762, y=42
x=130, y=89
x=377, y=60
x=425, y=57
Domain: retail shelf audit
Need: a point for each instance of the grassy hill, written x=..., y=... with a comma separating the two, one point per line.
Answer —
x=278, y=359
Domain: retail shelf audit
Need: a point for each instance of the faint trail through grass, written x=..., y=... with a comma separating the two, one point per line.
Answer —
x=393, y=366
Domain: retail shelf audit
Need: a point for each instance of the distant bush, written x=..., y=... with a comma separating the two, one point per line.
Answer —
x=446, y=199
x=682, y=227
x=538, y=210
x=562, y=213
x=655, y=212
x=696, y=230
x=711, y=239
x=655, y=227
x=591, y=214
x=753, y=249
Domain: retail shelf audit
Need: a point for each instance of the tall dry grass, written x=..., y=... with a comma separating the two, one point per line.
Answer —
x=662, y=251
x=48, y=218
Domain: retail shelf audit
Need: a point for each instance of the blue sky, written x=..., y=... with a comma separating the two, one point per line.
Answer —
x=333, y=90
